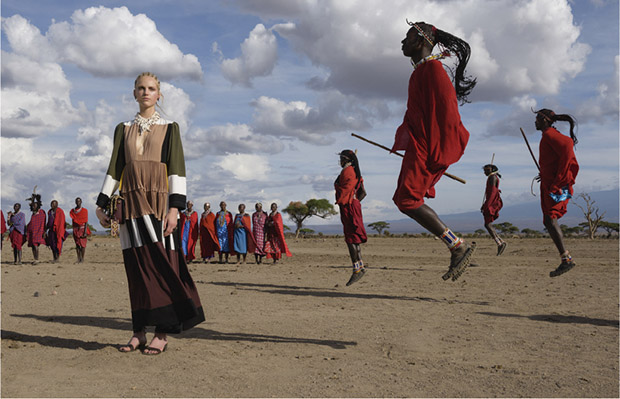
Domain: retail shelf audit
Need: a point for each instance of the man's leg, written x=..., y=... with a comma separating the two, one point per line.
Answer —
x=501, y=245
x=556, y=235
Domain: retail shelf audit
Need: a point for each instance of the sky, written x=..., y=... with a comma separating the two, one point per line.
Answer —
x=267, y=93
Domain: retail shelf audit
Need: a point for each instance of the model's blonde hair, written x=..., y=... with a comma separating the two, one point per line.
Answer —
x=151, y=75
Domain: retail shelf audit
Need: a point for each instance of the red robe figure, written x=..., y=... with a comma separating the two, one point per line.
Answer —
x=79, y=217
x=2, y=228
x=275, y=244
x=558, y=170
x=492, y=204
x=346, y=185
x=208, y=239
x=224, y=229
x=35, y=230
x=189, y=231
x=56, y=232
x=432, y=133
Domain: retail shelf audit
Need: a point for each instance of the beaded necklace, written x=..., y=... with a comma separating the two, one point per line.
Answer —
x=146, y=123
x=430, y=58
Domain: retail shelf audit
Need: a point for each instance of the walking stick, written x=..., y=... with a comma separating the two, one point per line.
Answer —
x=530, y=148
x=402, y=156
x=533, y=157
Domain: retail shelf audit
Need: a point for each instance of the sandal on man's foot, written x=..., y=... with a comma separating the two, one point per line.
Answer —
x=563, y=268
x=156, y=351
x=356, y=276
x=459, y=261
x=141, y=346
x=500, y=248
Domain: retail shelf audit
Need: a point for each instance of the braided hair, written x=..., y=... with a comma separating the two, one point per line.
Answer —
x=453, y=45
x=552, y=117
x=351, y=157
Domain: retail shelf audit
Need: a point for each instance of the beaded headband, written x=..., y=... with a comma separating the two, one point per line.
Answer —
x=421, y=33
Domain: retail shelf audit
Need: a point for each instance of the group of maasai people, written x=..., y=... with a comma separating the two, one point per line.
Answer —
x=261, y=234
x=433, y=138
x=47, y=229
x=147, y=158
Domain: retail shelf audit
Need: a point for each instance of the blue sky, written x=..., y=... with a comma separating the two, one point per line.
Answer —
x=267, y=93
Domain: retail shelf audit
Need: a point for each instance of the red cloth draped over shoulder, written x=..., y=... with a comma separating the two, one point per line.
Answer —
x=3, y=227
x=345, y=186
x=247, y=223
x=59, y=228
x=431, y=134
x=208, y=239
x=80, y=218
x=558, y=169
x=278, y=230
x=493, y=200
x=192, y=237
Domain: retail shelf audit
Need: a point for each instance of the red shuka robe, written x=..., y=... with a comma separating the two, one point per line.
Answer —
x=3, y=227
x=192, y=237
x=350, y=207
x=59, y=228
x=276, y=233
x=558, y=169
x=80, y=226
x=492, y=200
x=247, y=223
x=431, y=134
x=208, y=239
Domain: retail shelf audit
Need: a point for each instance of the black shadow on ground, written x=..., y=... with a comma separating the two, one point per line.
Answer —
x=196, y=332
x=557, y=318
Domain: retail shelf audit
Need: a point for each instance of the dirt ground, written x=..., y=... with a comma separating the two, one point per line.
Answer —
x=504, y=329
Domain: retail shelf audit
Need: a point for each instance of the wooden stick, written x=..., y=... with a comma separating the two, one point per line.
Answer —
x=402, y=156
x=529, y=148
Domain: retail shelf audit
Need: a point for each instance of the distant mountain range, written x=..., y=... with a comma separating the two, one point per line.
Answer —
x=524, y=215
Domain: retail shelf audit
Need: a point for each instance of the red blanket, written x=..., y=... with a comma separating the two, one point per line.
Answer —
x=275, y=242
x=192, y=237
x=492, y=200
x=431, y=134
x=208, y=239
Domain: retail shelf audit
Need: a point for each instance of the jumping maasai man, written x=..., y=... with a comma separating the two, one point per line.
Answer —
x=432, y=133
x=243, y=238
x=558, y=170
x=224, y=229
x=259, y=218
x=2, y=228
x=208, y=239
x=492, y=204
x=56, y=233
x=275, y=244
x=79, y=217
x=349, y=179
x=17, y=231
x=35, y=230
x=189, y=232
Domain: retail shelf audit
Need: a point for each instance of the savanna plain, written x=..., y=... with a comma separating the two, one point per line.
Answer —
x=293, y=329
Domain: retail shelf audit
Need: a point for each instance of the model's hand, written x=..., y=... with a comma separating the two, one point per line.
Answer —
x=170, y=222
x=103, y=218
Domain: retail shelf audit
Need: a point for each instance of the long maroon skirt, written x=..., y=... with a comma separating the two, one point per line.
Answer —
x=353, y=223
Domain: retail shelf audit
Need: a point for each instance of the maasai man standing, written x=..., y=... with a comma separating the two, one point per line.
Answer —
x=224, y=229
x=346, y=185
x=258, y=230
x=244, y=240
x=275, y=244
x=35, y=231
x=208, y=239
x=492, y=204
x=79, y=216
x=432, y=133
x=189, y=231
x=17, y=231
x=558, y=170
x=56, y=232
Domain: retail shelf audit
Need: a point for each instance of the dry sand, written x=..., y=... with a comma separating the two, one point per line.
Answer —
x=294, y=330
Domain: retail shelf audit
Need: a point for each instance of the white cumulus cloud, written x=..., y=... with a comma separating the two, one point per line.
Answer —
x=246, y=167
x=259, y=53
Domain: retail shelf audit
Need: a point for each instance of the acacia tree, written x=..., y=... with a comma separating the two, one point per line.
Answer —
x=590, y=212
x=298, y=212
x=506, y=228
x=609, y=227
x=379, y=226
